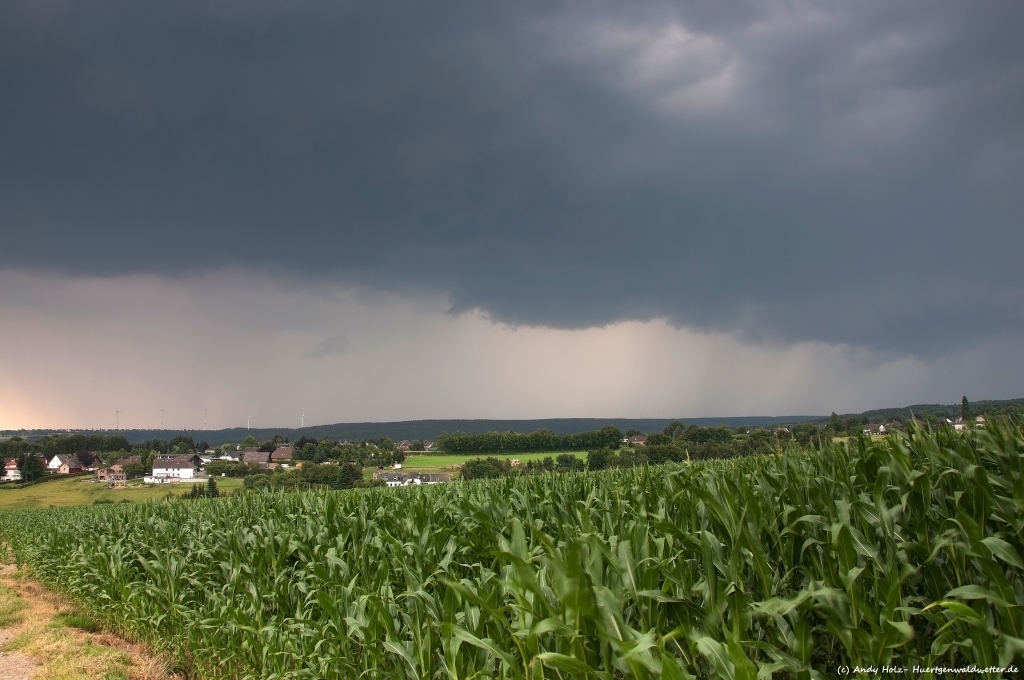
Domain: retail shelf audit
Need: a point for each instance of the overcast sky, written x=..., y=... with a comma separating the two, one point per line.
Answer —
x=380, y=210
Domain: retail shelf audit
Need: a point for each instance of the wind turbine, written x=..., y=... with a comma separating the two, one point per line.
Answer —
x=117, y=419
x=161, y=419
x=205, y=411
x=248, y=419
x=303, y=417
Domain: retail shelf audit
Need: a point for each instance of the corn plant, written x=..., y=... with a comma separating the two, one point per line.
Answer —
x=904, y=551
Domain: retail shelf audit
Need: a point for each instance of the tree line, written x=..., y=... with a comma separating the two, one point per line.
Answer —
x=342, y=476
x=65, y=444
x=538, y=440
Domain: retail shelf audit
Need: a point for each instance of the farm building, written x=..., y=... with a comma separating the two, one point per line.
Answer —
x=413, y=478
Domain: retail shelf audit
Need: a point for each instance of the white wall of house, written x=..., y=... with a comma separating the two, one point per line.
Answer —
x=175, y=473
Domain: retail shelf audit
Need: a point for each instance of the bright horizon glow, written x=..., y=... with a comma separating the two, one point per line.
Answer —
x=242, y=344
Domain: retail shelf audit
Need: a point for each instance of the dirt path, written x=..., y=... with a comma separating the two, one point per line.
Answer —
x=14, y=665
x=44, y=637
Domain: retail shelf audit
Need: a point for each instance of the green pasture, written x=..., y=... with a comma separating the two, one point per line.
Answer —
x=431, y=461
x=86, y=490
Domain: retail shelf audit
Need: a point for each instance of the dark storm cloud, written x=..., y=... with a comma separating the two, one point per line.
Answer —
x=847, y=172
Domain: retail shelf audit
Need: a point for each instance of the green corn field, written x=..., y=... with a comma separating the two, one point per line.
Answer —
x=901, y=552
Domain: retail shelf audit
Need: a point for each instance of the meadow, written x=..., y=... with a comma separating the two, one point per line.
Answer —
x=430, y=462
x=86, y=490
x=904, y=551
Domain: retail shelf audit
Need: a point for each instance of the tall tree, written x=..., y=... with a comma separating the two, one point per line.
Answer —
x=85, y=457
x=30, y=466
x=965, y=409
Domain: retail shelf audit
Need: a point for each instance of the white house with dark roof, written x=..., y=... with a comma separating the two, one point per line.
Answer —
x=176, y=467
x=54, y=463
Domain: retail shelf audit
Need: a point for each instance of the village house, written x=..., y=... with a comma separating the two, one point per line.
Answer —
x=979, y=421
x=116, y=477
x=54, y=463
x=282, y=455
x=256, y=456
x=83, y=455
x=70, y=465
x=404, y=445
x=11, y=471
x=875, y=429
x=635, y=440
x=959, y=424
x=172, y=469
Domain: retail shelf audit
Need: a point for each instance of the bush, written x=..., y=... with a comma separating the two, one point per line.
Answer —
x=598, y=459
x=345, y=476
x=487, y=468
x=566, y=461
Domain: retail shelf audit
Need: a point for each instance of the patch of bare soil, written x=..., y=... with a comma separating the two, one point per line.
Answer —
x=14, y=665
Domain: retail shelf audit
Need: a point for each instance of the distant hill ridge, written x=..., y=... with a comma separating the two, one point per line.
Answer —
x=430, y=429
x=947, y=410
